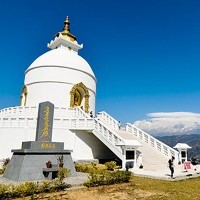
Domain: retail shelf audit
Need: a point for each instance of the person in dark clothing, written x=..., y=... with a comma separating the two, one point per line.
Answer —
x=171, y=166
x=91, y=114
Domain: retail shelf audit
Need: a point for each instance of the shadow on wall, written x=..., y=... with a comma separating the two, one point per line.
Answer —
x=99, y=149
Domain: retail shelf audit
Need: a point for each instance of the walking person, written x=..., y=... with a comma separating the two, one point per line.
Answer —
x=171, y=165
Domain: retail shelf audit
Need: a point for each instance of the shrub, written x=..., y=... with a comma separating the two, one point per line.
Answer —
x=60, y=160
x=30, y=189
x=24, y=189
x=5, y=164
x=59, y=185
x=45, y=186
x=53, y=186
x=88, y=168
x=4, y=191
x=82, y=168
x=107, y=178
x=63, y=173
x=111, y=165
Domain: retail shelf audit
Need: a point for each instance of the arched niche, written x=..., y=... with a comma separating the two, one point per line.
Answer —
x=23, y=96
x=79, y=96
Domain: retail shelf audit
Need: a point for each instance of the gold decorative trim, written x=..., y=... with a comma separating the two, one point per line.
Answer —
x=23, y=96
x=76, y=97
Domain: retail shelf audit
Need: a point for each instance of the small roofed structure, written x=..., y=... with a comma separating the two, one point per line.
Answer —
x=182, y=148
x=129, y=148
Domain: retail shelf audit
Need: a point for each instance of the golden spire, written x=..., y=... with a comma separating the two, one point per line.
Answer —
x=66, y=31
x=66, y=25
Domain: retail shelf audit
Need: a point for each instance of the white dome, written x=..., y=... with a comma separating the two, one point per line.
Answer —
x=52, y=76
x=64, y=58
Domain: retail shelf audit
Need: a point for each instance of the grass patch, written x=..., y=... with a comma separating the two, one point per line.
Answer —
x=179, y=190
x=142, y=189
x=138, y=188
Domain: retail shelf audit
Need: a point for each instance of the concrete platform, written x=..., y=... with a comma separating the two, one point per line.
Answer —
x=179, y=174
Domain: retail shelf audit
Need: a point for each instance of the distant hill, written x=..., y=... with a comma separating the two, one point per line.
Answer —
x=192, y=140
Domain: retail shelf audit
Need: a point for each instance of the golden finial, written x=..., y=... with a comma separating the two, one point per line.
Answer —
x=66, y=25
x=66, y=31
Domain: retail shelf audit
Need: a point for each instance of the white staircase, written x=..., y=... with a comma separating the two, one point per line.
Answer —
x=151, y=159
x=105, y=134
x=108, y=120
x=155, y=154
x=151, y=142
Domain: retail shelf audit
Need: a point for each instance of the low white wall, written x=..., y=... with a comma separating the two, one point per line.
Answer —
x=11, y=138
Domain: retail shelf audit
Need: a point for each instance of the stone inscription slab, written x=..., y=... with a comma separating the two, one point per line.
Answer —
x=45, y=122
x=41, y=146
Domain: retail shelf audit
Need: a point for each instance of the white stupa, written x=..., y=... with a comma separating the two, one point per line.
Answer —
x=60, y=75
x=65, y=79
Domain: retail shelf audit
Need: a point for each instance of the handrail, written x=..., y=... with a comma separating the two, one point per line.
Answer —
x=59, y=122
x=109, y=135
x=81, y=113
x=33, y=111
x=100, y=130
x=18, y=110
x=108, y=119
x=153, y=142
x=27, y=116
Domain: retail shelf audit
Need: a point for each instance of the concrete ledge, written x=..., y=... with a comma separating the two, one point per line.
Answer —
x=33, y=151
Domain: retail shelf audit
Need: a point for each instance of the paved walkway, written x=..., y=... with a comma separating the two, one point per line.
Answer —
x=165, y=174
x=77, y=180
x=74, y=181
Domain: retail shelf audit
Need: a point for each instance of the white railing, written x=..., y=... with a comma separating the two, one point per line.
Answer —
x=27, y=116
x=109, y=137
x=81, y=113
x=18, y=122
x=30, y=122
x=63, y=112
x=33, y=111
x=19, y=111
x=153, y=142
x=74, y=123
x=109, y=120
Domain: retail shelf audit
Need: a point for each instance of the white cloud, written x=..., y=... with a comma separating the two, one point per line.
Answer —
x=170, y=123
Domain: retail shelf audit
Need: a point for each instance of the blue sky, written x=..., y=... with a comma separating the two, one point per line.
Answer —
x=145, y=54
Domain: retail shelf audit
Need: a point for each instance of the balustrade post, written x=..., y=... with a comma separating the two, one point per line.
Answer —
x=9, y=121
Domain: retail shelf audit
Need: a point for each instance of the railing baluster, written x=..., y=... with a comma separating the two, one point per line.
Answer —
x=154, y=143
